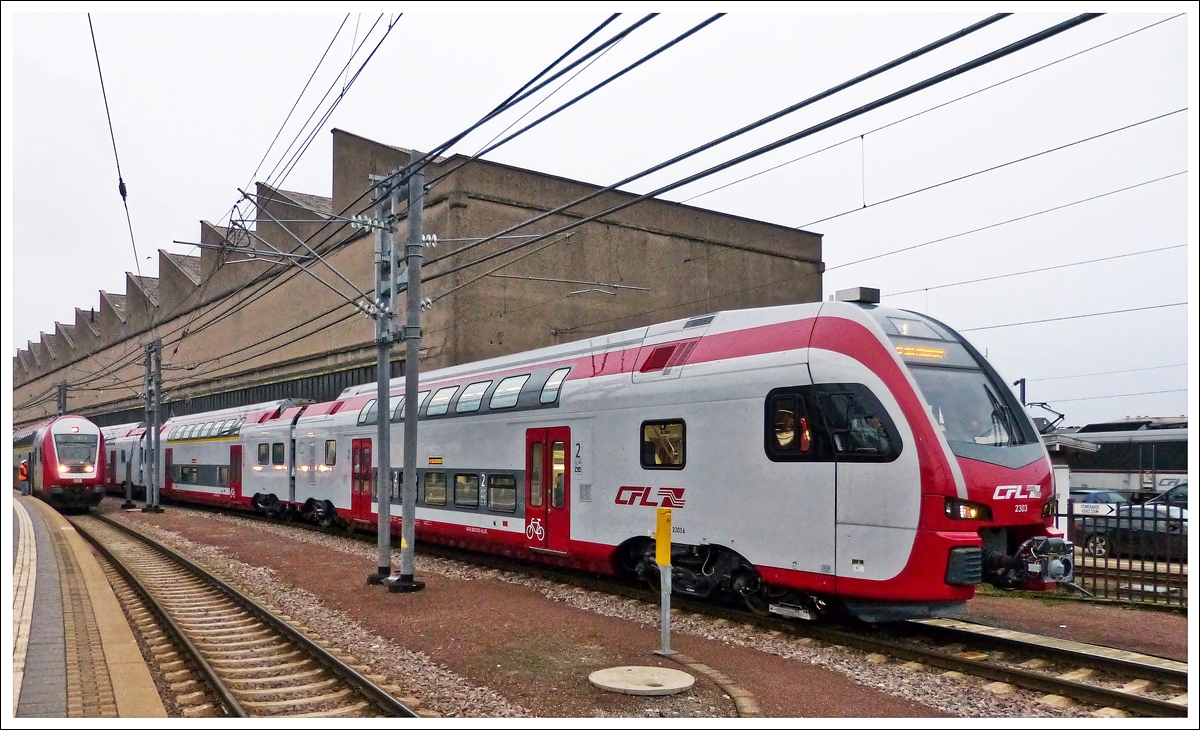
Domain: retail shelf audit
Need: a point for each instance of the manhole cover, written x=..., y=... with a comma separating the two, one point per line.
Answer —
x=642, y=680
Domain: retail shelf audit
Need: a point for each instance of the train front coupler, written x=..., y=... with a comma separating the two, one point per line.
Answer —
x=1040, y=563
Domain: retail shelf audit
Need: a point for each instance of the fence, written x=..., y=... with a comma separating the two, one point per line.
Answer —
x=1134, y=553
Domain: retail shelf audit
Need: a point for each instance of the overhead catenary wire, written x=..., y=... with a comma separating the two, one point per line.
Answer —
x=953, y=72
x=1073, y=316
x=931, y=109
x=701, y=299
x=1034, y=271
x=1006, y=222
x=121, y=188
x=269, y=276
x=288, y=117
x=512, y=99
x=858, y=79
x=1107, y=372
x=1117, y=395
x=736, y=133
x=993, y=168
x=834, y=121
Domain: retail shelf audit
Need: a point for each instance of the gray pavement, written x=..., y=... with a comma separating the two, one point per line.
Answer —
x=44, y=689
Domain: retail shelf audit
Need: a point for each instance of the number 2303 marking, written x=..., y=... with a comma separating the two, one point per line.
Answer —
x=1021, y=508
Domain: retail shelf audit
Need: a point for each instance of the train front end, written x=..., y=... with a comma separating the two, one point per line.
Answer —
x=72, y=456
x=1003, y=490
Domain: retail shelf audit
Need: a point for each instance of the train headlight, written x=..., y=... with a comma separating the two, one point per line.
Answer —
x=63, y=468
x=88, y=468
x=961, y=509
x=1048, y=509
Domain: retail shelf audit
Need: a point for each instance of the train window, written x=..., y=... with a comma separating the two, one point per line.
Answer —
x=206, y=430
x=914, y=328
x=264, y=453
x=441, y=401
x=502, y=493
x=507, y=392
x=553, y=384
x=466, y=490
x=435, y=488
x=238, y=427
x=172, y=432
x=397, y=403
x=663, y=444
x=471, y=398
x=330, y=452
x=222, y=476
x=226, y=427
x=368, y=413
x=558, y=488
x=420, y=399
x=122, y=456
x=789, y=429
x=277, y=454
x=859, y=426
x=535, y=474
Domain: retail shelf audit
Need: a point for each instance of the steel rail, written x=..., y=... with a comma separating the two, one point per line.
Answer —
x=219, y=688
x=351, y=676
x=1016, y=676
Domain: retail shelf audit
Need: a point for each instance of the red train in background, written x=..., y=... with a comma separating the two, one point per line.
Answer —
x=64, y=457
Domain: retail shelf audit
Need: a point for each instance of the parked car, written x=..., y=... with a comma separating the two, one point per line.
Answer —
x=1176, y=496
x=1107, y=525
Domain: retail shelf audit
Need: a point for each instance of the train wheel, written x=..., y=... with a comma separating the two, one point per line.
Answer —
x=756, y=603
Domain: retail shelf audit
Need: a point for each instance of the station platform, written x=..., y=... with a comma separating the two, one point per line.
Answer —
x=74, y=653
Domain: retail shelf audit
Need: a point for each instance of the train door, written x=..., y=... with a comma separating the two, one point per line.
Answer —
x=360, y=479
x=110, y=470
x=235, y=470
x=167, y=478
x=547, y=489
x=312, y=462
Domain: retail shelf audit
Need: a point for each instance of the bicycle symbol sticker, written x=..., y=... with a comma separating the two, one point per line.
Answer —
x=535, y=529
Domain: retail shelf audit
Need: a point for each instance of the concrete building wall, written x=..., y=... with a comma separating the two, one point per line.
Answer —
x=229, y=320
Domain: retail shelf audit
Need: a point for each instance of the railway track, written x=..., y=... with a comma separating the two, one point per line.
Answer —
x=235, y=657
x=1039, y=664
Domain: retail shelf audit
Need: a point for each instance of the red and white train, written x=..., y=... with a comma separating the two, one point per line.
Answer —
x=815, y=455
x=64, y=457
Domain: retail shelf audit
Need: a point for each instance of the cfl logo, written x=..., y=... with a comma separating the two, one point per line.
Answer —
x=1018, y=491
x=667, y=496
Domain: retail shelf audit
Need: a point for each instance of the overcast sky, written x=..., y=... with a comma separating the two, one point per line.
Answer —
x=195, y=101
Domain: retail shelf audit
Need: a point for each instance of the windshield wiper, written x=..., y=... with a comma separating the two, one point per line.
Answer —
x=1001, y=415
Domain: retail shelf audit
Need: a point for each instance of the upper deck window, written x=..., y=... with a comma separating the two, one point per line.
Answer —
x=553, y=384
x=507, y=392
x=440, y=401
x=472, y=397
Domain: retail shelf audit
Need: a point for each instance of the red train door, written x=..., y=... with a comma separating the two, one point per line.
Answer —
x=547, y=489
x=360, y=479
x=235, y=470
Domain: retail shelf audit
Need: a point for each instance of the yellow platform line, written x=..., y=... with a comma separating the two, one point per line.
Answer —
x=24, y=583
